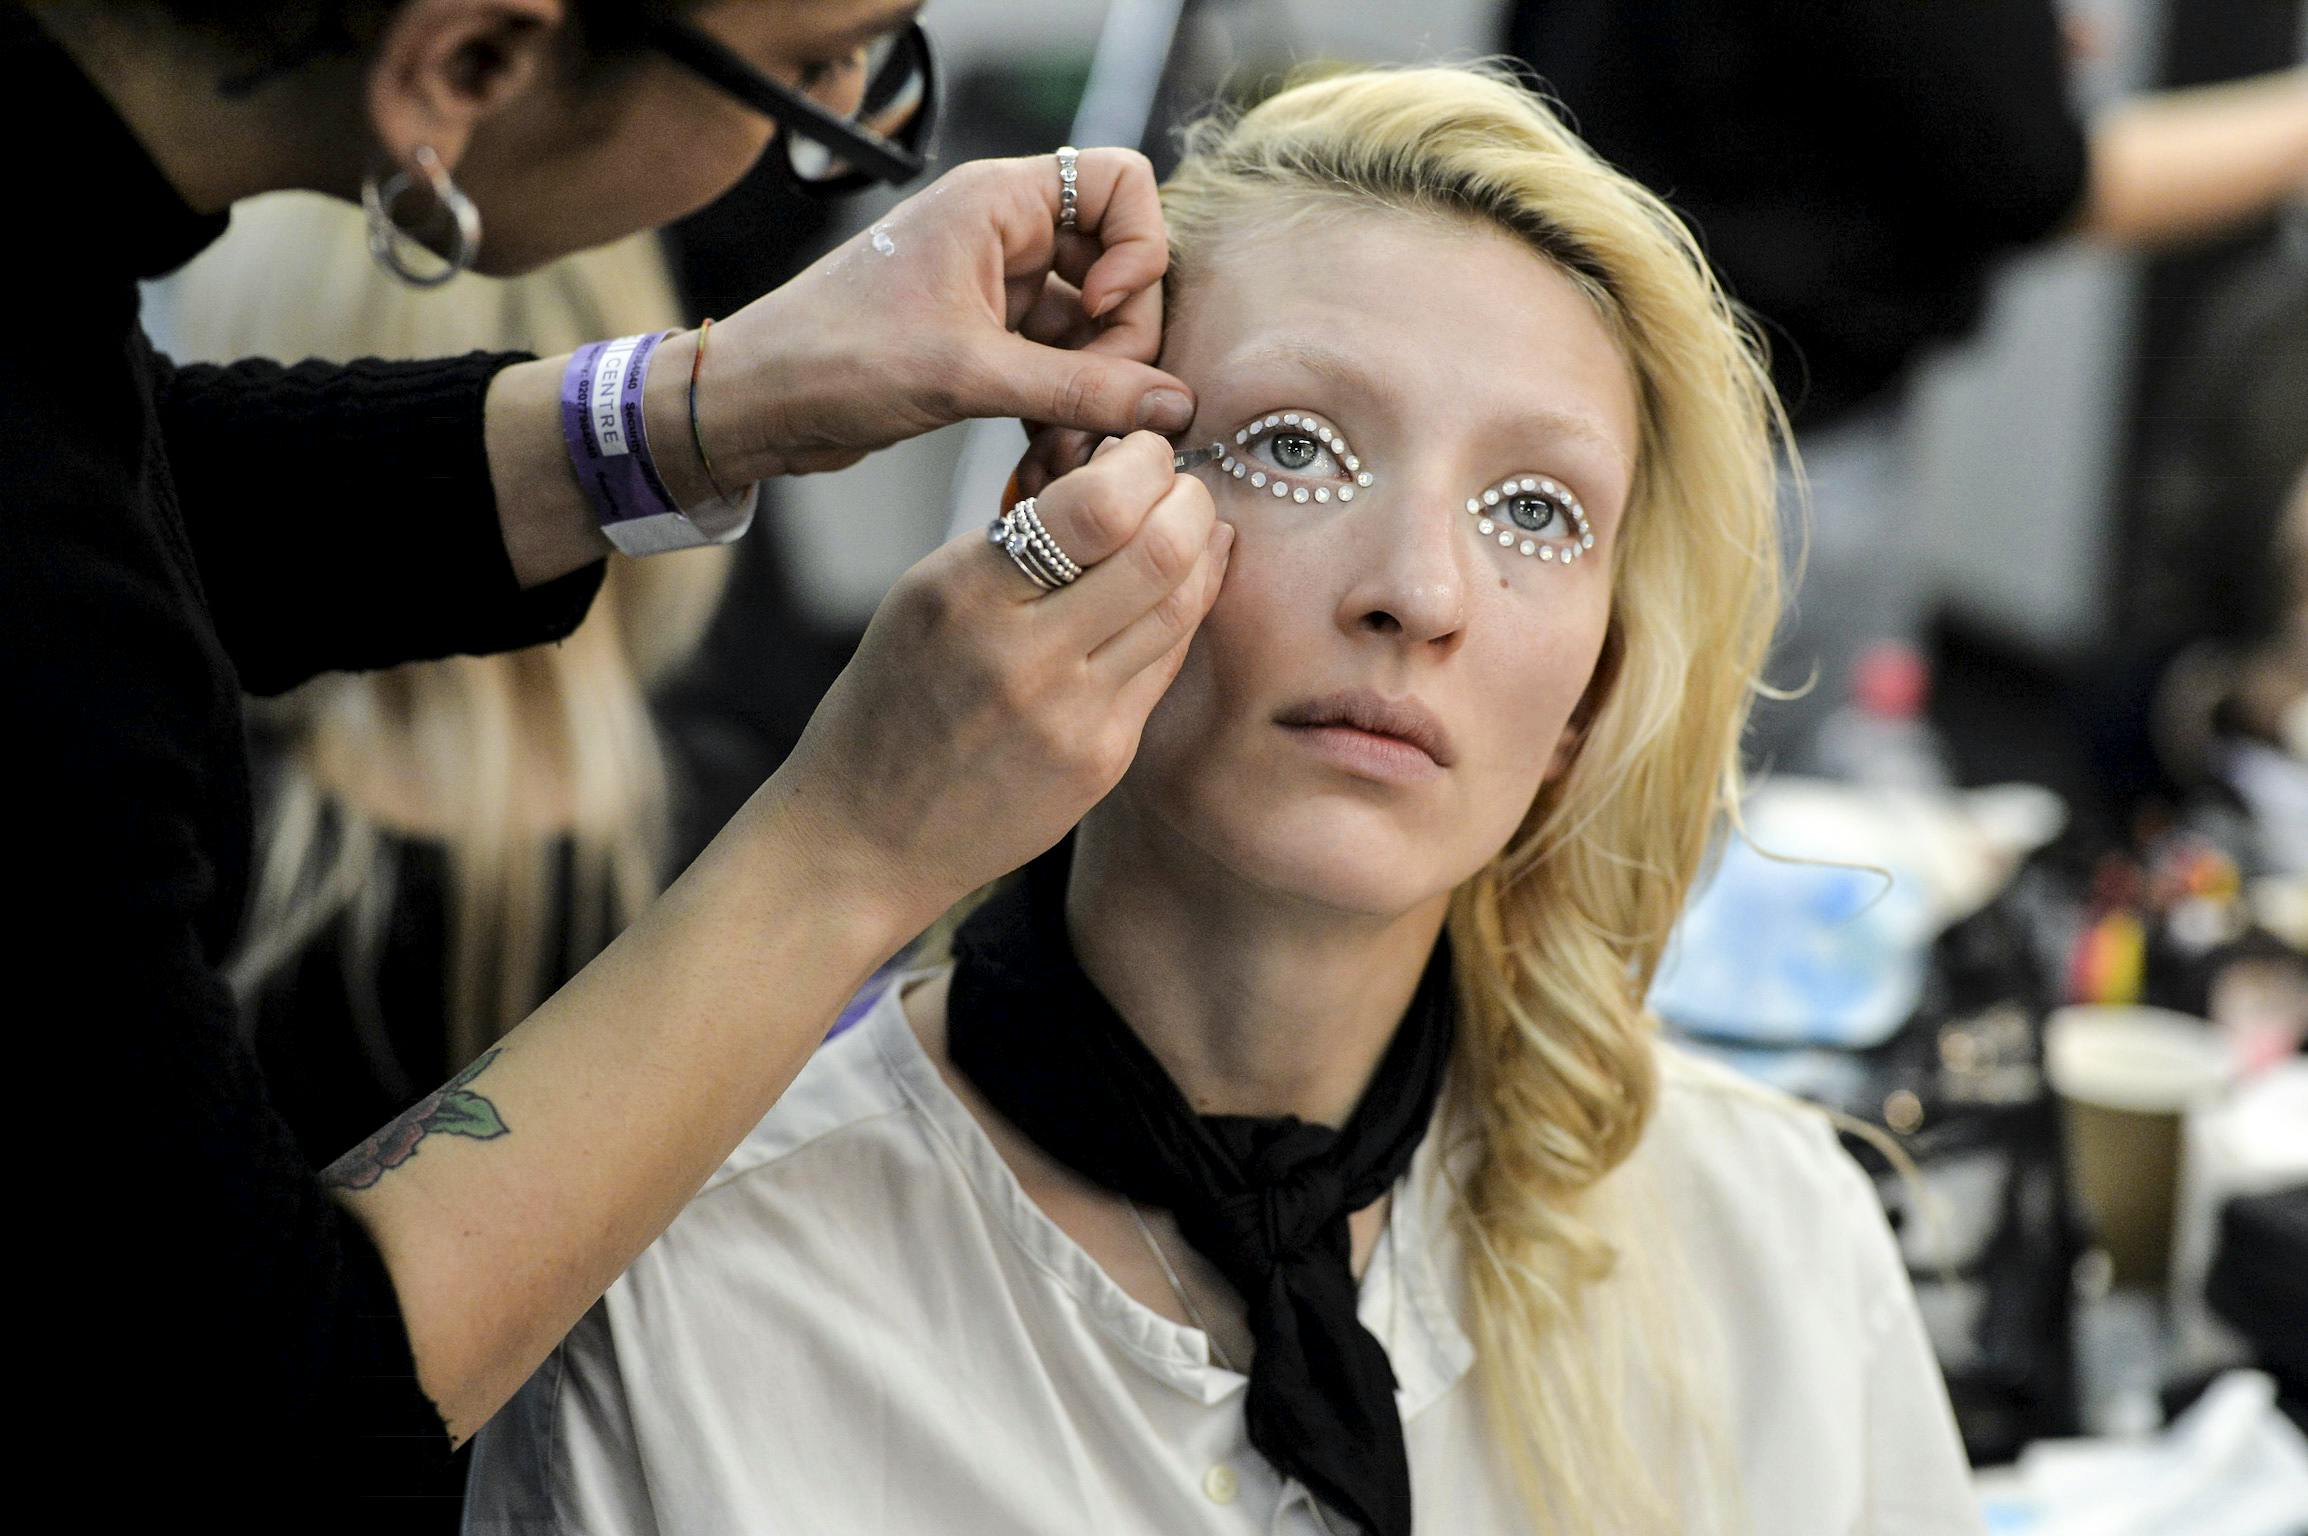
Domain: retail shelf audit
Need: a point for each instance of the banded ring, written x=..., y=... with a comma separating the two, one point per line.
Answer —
x=1068, y=209
x=1019, y=533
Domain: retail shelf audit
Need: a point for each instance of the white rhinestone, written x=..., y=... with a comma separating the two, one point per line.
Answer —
x=1486, y=526
x=1240, y=469
x=1290, y=420
x=1227, y=464
x=1507, y=536
x=1322, y=493
x=1490, y=498
x=1529, y=484
x=1274, y=421
x=1586, y=541
x=1548, y=553
x=1530, y=548
x=1299, y=494
x=1474, y=504
x=1258, y=477
x=1346, y=493
x=1363, y=478
x=1280, y=489
x=1352, y=463
x=1242, y=436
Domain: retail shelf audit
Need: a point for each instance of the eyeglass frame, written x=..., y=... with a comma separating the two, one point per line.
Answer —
x=870, y=156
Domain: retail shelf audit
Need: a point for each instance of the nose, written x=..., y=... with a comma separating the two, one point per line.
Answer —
x=1412, y=571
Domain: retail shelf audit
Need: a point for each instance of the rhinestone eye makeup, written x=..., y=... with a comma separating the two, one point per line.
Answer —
x=1296, y=456
x=1533, y=515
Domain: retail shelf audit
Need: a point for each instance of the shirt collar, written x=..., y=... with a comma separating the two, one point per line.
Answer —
x=115, y=208
x=1409, y=1293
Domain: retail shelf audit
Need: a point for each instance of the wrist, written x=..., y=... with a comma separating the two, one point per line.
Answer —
x=547, y=523
x=673, y=446
x=812, y=836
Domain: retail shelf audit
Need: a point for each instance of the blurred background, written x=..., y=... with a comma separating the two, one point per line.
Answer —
x=2056, y=628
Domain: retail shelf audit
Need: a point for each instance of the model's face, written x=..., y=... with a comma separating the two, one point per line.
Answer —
x=572, y=165
x=1449, y=360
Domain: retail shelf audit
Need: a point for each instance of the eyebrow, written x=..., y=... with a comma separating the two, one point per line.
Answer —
x=1348, y=371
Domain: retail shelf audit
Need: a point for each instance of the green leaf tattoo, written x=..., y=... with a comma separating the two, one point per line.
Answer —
x=451, y=1110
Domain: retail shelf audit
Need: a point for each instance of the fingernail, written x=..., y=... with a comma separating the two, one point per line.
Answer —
x=1165, y=410
x=1222, y=539
x=1106, y=306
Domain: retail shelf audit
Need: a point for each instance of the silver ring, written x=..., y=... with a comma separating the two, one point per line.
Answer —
x=1068, y=211
x=1044, y=544
x=1019, y=534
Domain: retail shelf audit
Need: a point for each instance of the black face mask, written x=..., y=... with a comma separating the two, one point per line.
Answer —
x=1265, y=1199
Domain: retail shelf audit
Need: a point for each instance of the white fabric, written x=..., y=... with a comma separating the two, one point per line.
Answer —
x=862, y=1324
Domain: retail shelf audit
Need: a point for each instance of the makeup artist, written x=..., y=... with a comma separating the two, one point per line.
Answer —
x=210, y=1328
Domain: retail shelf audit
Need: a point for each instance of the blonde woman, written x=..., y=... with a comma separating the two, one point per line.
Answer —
x=441, y=844
x=1290, y=1151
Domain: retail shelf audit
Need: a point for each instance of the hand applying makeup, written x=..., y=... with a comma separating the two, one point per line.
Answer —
x=965, y=300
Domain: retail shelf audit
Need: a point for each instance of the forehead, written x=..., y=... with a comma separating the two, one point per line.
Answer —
x=1432, y=325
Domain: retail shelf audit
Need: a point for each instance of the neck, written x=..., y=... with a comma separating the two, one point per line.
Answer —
x=1254, y=1001
x=297, y=130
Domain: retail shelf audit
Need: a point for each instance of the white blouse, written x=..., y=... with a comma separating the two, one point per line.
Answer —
x=863, y=1324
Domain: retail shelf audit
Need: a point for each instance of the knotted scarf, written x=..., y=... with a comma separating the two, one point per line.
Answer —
x=1265, y=1199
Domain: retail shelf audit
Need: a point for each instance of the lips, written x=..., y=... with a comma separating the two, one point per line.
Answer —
x=1404, y=720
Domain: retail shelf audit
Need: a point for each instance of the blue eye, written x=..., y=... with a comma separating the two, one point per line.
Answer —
x=1295, y=455
x=1535, y=516
x=1295, y=450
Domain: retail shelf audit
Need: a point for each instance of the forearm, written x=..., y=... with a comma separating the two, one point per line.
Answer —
x=2189, y=165
x=618, y=1098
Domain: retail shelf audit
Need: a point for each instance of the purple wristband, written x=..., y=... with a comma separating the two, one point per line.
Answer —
x=603, y=427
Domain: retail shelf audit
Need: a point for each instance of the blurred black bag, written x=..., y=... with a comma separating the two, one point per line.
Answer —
x=2259, y=1282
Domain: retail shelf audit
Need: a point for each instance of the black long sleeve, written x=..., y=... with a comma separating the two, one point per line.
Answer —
x=342, y=516
x=208, y=1336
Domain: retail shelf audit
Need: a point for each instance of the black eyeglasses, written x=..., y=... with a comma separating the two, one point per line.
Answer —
x=825, y=152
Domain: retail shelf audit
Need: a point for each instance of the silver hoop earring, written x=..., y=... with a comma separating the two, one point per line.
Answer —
x=386, y=235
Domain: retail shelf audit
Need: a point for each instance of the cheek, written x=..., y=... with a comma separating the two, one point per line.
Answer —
x=1240, y=655
x=1528, y=677
x=662, y=150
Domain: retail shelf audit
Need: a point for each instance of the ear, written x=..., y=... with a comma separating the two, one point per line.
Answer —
x=442, y=67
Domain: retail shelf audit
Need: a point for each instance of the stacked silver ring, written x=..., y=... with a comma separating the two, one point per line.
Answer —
x=1019, y=534
x=1067, y=172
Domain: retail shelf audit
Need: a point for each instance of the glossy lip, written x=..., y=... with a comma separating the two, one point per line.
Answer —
x=1364, y=712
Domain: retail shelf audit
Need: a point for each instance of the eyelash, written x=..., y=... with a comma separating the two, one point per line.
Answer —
x=1265, y=474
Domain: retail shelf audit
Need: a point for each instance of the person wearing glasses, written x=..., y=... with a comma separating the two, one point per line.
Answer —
x=241, y=1338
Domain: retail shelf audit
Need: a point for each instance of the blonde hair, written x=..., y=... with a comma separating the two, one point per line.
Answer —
x=470, y=732
x=1557, y=938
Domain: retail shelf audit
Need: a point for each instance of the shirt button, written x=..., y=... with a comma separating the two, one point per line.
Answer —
x=1221, y=1484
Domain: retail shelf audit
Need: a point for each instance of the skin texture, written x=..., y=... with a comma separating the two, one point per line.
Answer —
x=1257, y=910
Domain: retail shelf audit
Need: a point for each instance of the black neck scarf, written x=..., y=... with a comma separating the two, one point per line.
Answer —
x=1265, y=1199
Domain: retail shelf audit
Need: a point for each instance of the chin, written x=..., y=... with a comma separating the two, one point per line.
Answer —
x=1329, y=850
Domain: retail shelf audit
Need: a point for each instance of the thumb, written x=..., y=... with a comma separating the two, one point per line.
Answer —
x=1092, y=391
